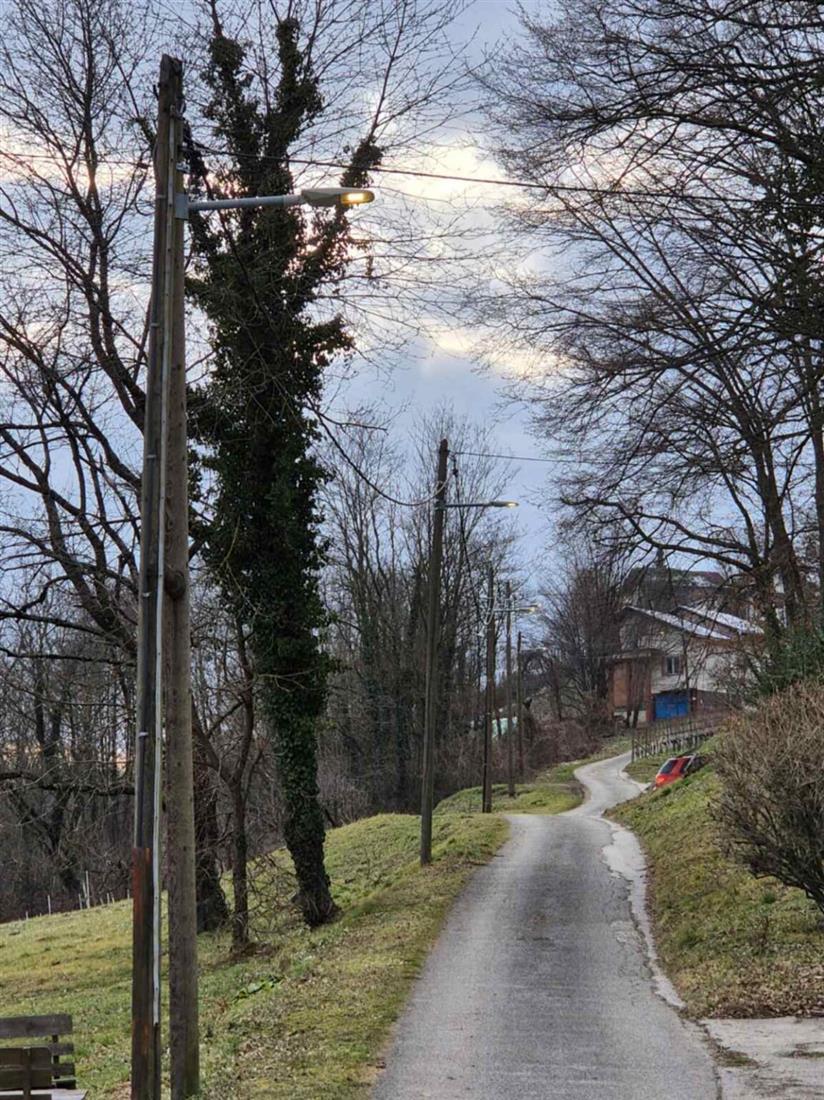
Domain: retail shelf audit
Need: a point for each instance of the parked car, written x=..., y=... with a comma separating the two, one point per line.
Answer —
x=677, y=767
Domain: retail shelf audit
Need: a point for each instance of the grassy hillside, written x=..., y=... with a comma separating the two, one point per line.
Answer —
x=733, y=945
x=305, y=1016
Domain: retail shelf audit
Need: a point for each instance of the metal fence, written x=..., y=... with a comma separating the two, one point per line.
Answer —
x=674, y=735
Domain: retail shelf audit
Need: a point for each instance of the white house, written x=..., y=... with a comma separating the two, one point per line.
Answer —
x=674, y=663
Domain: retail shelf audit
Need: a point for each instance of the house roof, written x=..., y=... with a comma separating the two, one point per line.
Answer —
x=723, y=619
x=695, y=630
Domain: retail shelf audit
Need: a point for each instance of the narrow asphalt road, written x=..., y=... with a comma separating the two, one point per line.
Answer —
x=539, y=985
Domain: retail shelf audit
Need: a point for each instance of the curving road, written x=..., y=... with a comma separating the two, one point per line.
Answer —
x=540, y=985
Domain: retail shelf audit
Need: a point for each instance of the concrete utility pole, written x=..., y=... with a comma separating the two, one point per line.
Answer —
x=510, y=734
x=490, y=692
x=432, y=642
x=164, y=630
x=519, y=702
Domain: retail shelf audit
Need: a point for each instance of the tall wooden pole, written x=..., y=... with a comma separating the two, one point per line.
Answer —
x=510, y=733
x=432, y=641
x=490, y=692
x=146, y=1061
x=180, y=815
x=519, y=702
x=164, y=649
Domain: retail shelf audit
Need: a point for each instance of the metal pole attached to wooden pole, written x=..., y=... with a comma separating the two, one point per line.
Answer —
x=519, y=702
x=432, y=641
x=510, y=733
x=490, y=692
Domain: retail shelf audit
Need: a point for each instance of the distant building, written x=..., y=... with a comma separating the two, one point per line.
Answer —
x=678, y=662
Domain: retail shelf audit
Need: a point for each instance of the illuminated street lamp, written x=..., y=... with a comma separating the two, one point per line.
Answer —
x=309, y=196
x=440, y=505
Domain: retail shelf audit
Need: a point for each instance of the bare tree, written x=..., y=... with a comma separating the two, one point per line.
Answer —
x=379, y=530
x=581, y=622
x=686, y=312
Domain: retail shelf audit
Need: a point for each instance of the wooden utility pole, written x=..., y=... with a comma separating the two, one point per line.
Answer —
x=164, y=632
x=490, y=692
x=510, y=733
x=184, y=1047
x=519, y=703
x=432, y=643
x=146, y=1062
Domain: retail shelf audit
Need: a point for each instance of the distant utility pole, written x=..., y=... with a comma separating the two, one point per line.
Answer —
x=510, y=733
x=432, y=639
x=164, y=631
x=490, y=692
x=519, y=691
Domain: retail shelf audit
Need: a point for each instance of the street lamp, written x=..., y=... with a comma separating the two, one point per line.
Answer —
x=309, y=196
x=491, y=645
x=433, y=631
x=477, y=504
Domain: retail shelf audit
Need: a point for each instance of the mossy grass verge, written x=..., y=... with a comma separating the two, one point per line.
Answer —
x=543, y=796
x=733, y=945
x=551, y=792
x=304, y=1016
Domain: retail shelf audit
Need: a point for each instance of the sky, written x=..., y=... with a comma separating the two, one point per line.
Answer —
x=438, y=370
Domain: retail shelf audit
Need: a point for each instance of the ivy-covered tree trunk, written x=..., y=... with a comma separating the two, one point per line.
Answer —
x=212, y=910
x=258, y=276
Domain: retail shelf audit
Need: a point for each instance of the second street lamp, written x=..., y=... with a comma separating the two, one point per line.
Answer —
x=432, y=641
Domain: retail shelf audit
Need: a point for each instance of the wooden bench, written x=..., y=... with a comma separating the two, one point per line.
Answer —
x=35, y=1071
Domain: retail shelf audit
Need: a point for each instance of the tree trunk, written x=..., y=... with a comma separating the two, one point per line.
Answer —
x=240, y=868
x=212, y=910
x=304, y=830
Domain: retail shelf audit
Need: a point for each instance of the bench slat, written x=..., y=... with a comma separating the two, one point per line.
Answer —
x=18, y=1056
x=15, y=1077
x=49, y=1094
x=35, y=1027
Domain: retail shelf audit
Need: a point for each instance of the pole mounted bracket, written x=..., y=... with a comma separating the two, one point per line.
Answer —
x=182, y=206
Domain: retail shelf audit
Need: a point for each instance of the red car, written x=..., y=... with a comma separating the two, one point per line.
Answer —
x=676, y=768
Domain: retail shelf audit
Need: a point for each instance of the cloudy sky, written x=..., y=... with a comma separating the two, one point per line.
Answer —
x=440, y=368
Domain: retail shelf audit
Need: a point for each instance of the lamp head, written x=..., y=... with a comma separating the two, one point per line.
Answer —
x=336, y=196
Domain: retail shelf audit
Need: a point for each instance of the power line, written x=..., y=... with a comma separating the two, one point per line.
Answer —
x=550, y=188
x=517, y=458
x=488, y=181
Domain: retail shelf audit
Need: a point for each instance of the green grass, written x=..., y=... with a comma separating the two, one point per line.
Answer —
x=308, y=1013
x=544, y=796
x=646, y=769
x=733, y=945
x=552, y=792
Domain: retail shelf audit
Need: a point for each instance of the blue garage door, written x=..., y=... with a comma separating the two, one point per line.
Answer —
x=671, y=704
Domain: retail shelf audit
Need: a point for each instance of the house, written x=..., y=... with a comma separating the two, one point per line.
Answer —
x=678, y=662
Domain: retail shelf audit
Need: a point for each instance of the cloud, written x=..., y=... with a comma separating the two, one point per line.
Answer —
x=22, y=162
x=458, y=157
x=505, y=359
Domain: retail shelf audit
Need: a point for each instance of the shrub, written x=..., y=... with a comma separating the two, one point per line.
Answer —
x=771, y=807
x=799, y=655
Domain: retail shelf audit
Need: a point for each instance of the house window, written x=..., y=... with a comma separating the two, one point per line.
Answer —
x=672, y=666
